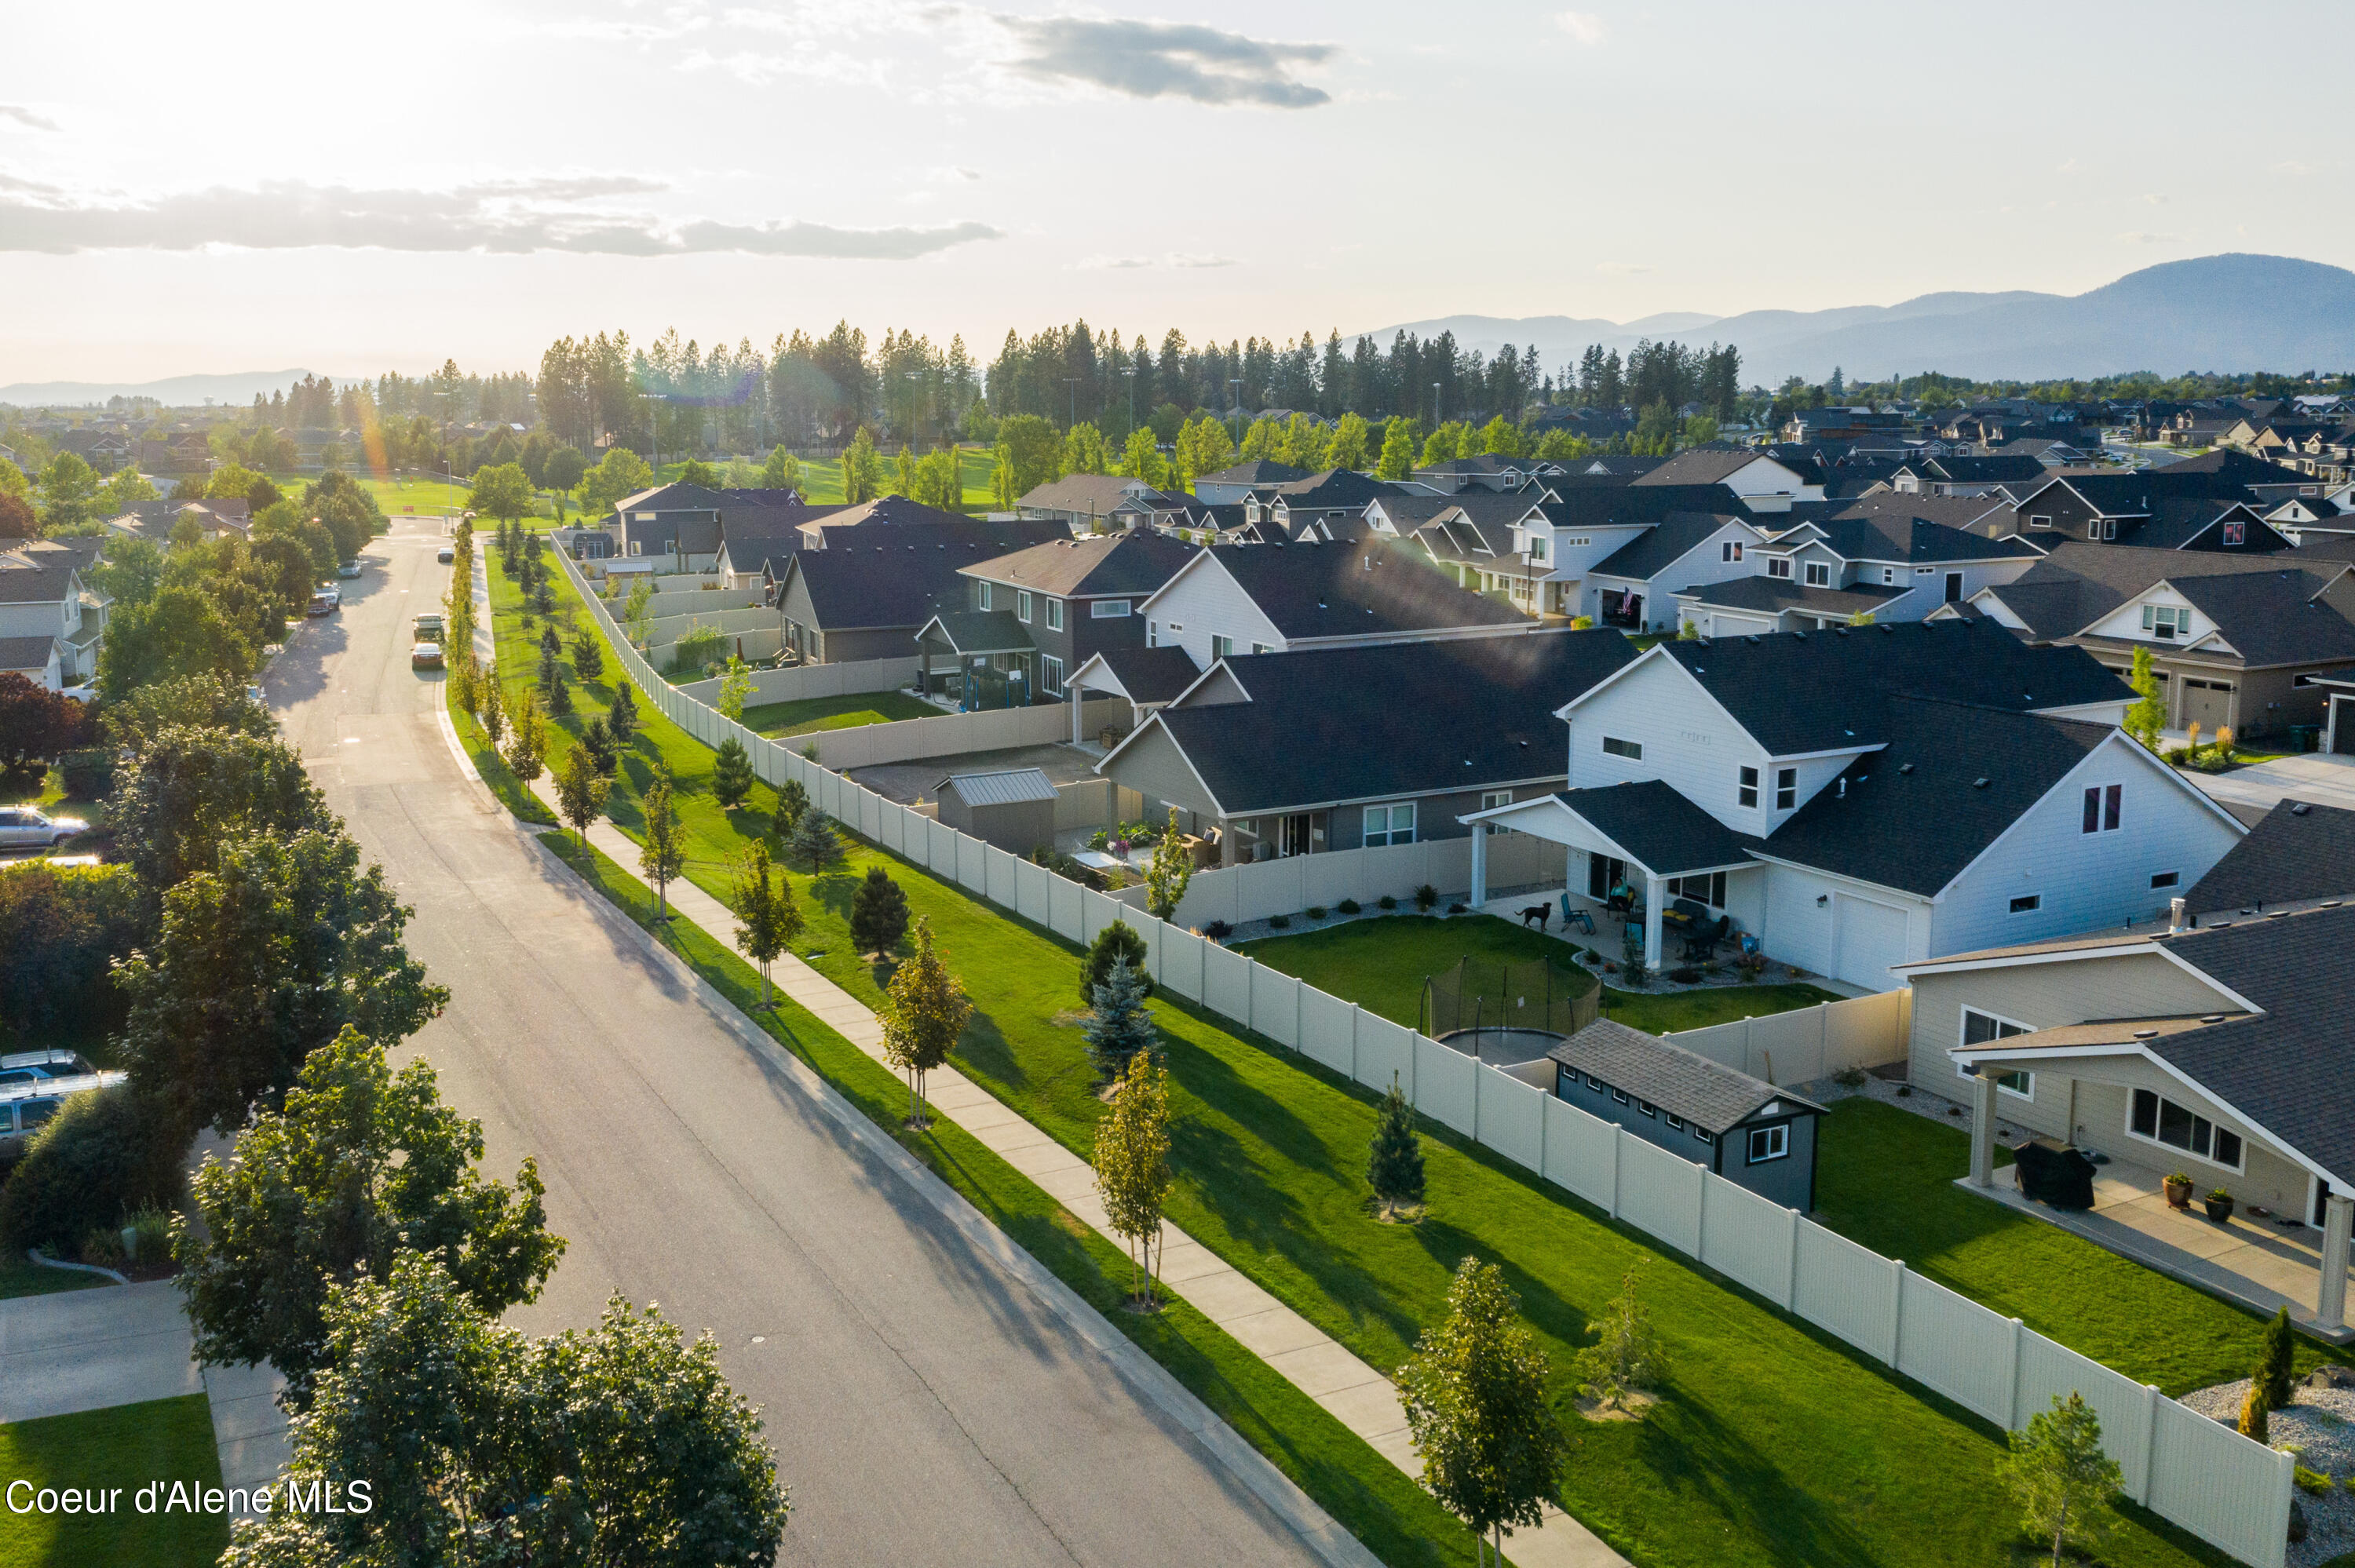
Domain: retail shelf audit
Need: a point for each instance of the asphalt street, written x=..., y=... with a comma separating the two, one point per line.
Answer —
x=927, y=1403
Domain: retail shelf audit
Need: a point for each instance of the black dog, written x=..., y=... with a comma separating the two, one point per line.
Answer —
x=1537, y=912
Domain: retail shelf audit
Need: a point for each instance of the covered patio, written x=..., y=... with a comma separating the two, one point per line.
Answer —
x=1147, y=679
x=980, y=645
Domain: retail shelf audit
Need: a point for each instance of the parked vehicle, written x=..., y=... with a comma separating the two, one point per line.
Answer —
x=38, y=1066
x=445, y=554
x=25, y=1107
x=425, y=656
x=428, y=626
x=326, y=601
x=29, y=827
x=348, y=570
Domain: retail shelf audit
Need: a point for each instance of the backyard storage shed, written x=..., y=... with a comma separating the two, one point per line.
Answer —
x=1013, y=809
x=1744, y=1129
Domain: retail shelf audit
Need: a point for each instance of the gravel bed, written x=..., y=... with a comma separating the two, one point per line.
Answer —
x=2320, y=1424
x=1921, y=1103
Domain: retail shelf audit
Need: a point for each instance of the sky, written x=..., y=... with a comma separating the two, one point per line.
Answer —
x=189, y=189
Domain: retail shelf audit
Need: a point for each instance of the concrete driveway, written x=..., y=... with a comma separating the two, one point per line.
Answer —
x=87, y=1349
x=2316, y=776
x=928, y=1399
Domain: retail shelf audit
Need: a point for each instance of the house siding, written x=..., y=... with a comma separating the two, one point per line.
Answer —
x=1785, y=1182
x=1152, y=765
x=1207, y=602
x=1804, y=934
x=1687, y=738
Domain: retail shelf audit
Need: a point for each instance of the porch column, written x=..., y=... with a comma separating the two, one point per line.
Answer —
x=1983, y=1128
x=1074, y=694
x=1231, y=842
x=1479, y=865
x=1656, y=890
x=2337, y=1223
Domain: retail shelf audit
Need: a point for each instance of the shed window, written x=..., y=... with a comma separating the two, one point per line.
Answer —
x=2161, y=1120
x=1676, y=1122
x=1706, y=1136
x=1594, y=1082
x=1770, y=1143
x=1620, y=1096
x=1649, y=1108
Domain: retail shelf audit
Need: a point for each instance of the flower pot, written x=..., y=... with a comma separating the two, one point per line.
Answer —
x=2219, y=1209
x=2179, y=1194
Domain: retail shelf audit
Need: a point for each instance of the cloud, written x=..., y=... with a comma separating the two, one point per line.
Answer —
x=756, y=68
x=1621, y=268
x=1586, y=28
x=1183, y=260
x=1112, y=263
x=2154, y=198
x=23, y=116
x=504, y=216
x=2145, y=237
x=1164, y=60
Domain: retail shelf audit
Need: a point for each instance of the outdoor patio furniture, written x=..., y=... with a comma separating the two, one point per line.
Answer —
x=2060, y=1176
x=1701, y=942
x=1575, y=915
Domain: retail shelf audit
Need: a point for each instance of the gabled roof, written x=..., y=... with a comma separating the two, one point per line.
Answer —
x=1336, y=487
x=1666, y=833
x=1890, y=511
x=2299, y=852
x=1712, y=1097
x=1257, y=472
x=1989, y=470
x=1657, y=549
x=27, y=652
x=1577, y=506
x=2262, y=604
x=670, y=498
x=863, y=586
x=970, y=632
x=1131, y=562
x=2191, y=521
x=1151, y=676
x=1775, y=595
x=39, y=585
x=2274, y=618
x=1312, y=590
x=1006, y=787
x=1095, y=494
x=1889, y=528
x=1707, y=465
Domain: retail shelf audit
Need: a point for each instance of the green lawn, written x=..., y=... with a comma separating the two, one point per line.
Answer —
x=849, y=711
x=125, y=1446
x=1885, y=1178
x=19, y=1276
x=1381, y=964
x=1774, y=1444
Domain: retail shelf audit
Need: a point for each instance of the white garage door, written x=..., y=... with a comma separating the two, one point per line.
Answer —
x=1724, y=625
x=1867, y=938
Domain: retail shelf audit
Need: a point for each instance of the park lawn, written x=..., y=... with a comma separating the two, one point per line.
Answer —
x=1885, y=1178
x=1773, y=1444
x=1381, y=964
x=126, y=1447
x=821, y=481
x=850, y=710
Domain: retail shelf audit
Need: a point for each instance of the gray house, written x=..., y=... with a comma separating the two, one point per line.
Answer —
x=1743, y=1129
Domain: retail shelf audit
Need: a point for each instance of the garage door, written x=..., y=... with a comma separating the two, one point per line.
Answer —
x=1724, y=625
x=1867, y=938
x=2208, y=703
x=2342, y=726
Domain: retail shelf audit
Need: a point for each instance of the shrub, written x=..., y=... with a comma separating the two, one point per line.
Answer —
x=1425, y=897
x=731, y=773
x=1280, y=922
x=1317, y=911
x=105, y=1156
x=1116, y=941
x=2313, y=1483
x=1688, y=975
x=1218, y=930
x=89, y=774
x=1851, y=1077
x=62, y=929
x=1386, y=902
x=1348, y=906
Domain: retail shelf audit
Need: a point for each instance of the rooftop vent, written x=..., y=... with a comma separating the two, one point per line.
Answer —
x=2145, y=1034
x=2212, y=1018
x=1979, y=783
x=2300, y=809
x=1904, y=768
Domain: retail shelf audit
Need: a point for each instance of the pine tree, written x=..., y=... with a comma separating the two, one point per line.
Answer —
x=792, y=804
x=549, y=644
x=879, y=913
x=1628, y=1355
x=1120, y=1027
x=597, y=740
x=623, y=717
x=1116, y=941
x=2062, y=1480
x=1395, y=1165
x=2274, y=1372
x=588, y=653
x=2252, y=1423
x=732, y=774
x=560, y=694
x=814, y=841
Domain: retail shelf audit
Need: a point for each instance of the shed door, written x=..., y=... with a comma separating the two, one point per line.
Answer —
x=2208, y=703
x=1867, y=938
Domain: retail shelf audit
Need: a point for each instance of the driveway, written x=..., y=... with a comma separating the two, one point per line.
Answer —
x=2316, y=776
x=86, y=1350
x=927, y=1400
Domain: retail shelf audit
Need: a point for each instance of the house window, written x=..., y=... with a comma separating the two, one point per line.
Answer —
x=1262, y=646
x=1746, y=793
x=1730, y=551
x=1489, y=800
x=1786, y=789
x=1770, y=1143
x=2154, y=1116
x=2236, y=534
x=1390, y=825
x=1054, y=615
x=1108, y=608
x=1888, y=574
x=2165, y=878
x=1633, y=750
x=637, y=547
x=2028, y=904
x=2104, y=806
x=984, y=603
x=1707, y=887
x=1778, y=565
x=2035, y=522
x=1537, y=548
x=2109, y=529
x=1051, y=676
x=1979, y=1027
x=2166, y=621
x=1022, y=606
x=1153, y=635
x=1820, y=574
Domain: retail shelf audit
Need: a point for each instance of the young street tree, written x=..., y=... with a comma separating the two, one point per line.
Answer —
x=362, y=1164
x=1119, y=1028
x=879, y=913
x=926, y=1009
x=661, y=855
x=526, y=739
x=580, y=791
x=768, y=920
x=732, y=774
x=1131, y=1166
x=1394, y=1165
x=1116, y=942
x=1628, y=1356
x=2064, y=1484
x=1475, y=1402
x=1167, y=873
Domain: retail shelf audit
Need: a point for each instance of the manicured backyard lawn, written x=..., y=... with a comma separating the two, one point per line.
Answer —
x=1773, y=1446
x=1884, y=1177
x=127, y=1447
x=1381, y=964
x=848, y=711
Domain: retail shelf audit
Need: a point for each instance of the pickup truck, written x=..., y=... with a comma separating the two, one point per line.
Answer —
x=428, y=627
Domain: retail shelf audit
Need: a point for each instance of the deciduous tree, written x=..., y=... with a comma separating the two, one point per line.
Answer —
x=662, y=851
x=735, y=688
x=181, y=632
x=925, y=1011
x=1167, y=873
x=768, y=919
x=1131, y=1158
x=1627, y=1356
x=580, y=791
x=2148, y=715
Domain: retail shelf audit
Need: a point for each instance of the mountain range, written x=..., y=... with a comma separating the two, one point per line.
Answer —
x=177, y=392
x=2224, y=313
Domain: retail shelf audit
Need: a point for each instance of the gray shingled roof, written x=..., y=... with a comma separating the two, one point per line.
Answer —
x=1151, y=676
x=26, y=652
x=1657, y=549
x=1777, y=594
x=2297, y=853
x=1712, y=1097
x=1312, y=590
x=1667, y=832
x=1131, y=562
x=970, y=632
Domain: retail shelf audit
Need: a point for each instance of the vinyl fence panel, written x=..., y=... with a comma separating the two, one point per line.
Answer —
x=2050, y=1371
x=1953, y=1344
x=1384, y=1054
x=1747, y=1237
x=1275, y=1005
x=1512, y=1117
x=972, y=868
x=1327, y=1030
x=1031, y=894
x=2224, y=1489
x=1848, y=1290
x=1580, y=1155
x=1179, y=970
x=1003, y=877
x=1660, y=1191
x=1445, y=1085
x=941, y=849
x=1064, y=908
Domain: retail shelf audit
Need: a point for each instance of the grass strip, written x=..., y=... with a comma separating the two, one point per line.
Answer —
x=125, y=1445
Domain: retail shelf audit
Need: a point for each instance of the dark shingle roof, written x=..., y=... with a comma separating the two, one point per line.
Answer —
x=26, y=652
x=856, y=587
x=1259, y=470
x=1891, y=527
x=1777, y=594
x=1712, y=1097
x=1134, y=562
x=2264, y=605
x=1098, y=494
x=1622, y=505
x=1657, y=549
x=1669, y=834
x=2274, y=618
x=1151, y=676
x=1704, y=465
x=971, y=631
x=1312, y=590
x=38, y=585
x=2297, y=853
x=1334, y=487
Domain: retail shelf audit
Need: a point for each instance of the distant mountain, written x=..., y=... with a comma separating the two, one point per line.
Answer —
x=2233, y=313
x=178, y=391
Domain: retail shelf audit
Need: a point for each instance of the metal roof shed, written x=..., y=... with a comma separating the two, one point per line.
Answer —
x=1013, y=809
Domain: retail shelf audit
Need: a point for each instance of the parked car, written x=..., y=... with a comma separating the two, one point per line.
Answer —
x=348, y=570
x=428, y=626
x=425, y=656
x=326, y=601
x=446, y=554
x=36, y=1066
x=29, y=827
x=25, y=1107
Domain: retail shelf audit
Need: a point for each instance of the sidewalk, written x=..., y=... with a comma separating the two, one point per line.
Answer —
x=1353, y=1393
x=87, y=1349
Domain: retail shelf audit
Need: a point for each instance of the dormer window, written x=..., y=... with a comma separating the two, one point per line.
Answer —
x=2236, y=534
x=1537, y=548
x=1820, y=574
x=2166, y=621
x=1778, y=565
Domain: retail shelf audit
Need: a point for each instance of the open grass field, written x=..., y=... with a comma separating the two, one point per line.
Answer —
x=849, y=711
x=1381, y=964
x=1773, y=1444
x=126, y=1447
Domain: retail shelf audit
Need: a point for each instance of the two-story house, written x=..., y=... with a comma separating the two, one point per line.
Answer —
x=1232, y=484
x=53, y=601
x=1094, y=503
x=1635, y=587
x=1330, y=505
x=1763, y=482
x=1863, y=796
x=679, y=524
x=1068, y=600
x=1866, y=560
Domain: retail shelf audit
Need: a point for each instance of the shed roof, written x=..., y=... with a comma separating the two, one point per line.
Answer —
x=1712, y=1097
x=1006, y=787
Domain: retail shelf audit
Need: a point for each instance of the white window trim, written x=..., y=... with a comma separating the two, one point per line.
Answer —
x=1050, y=675
x=2239, y=1167
x=1750, y=787
x=1489, y=800
x=1107, y=608
x=984, y=596
x=1962, y=1037
x=1778, y=1144
x=1778, y=566
x=1022, y=606
x=1054, y=615
x=1786, y=780
x=1823, y=568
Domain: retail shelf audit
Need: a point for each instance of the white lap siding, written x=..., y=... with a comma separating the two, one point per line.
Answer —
x=1688, y=740
x=1802, y=918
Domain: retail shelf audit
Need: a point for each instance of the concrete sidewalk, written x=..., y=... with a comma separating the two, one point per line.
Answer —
x=87, y=1349
x=1353, y=1392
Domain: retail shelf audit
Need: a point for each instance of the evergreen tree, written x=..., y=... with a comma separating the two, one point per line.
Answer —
x=732, y=774
x=559, y=692
x=597, y=740
x=879, y=913
x=1115, y=942
x=792, y=804
x=1395, y=1165
x=2275, y=1370
x=623, y=717
x=1627, y=1355
x=2252, y=1423
x=551, y=645
x=814, y=841
x=1120, y=1027
x=588, y=653
x=2064, y=1483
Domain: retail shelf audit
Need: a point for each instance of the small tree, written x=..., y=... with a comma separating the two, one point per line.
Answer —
x=879, y=913
x=735, y=688
x=597, y=740
x=1475, y=1392
x=768, y=920
x=814, y=841
x=1131, y=1166
x=588, y=653
x=1115, y=942
x=2275, y=1370
x=637, y=612
x=1628, y=1357
x=732, y=774
x=1120, y=1027
x=925, y=1010
x=1167, y=873
x=793, y=801
x=492, y=713
x=2147, y=716
x=623, y=715
x=662, y=854
x=580, y=791
x=529, y=741
x=1394, y=1167
x=2065, y=1485
x=2253, y=1424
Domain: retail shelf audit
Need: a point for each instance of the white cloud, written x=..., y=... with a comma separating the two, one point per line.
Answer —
x=2145, y=237
x=756, y=68
x=1164, y=60
x=1586, y=28
x=2154, y=198
x=1112, y=263
x=1185, y=259
x=26, y=117
x=504, y=216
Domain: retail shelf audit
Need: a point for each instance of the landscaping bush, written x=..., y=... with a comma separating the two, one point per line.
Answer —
x=1280, y=922
x=1688, y=975
x=103, y=1157
x=89, y=774
x=1317, y=911
x=1348, y=906
x=1386, y=902
x=1218, y=930
x=1425, y=897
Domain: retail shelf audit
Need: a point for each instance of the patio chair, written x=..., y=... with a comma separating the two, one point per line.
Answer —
x=1576, y=916
x=1701, y=942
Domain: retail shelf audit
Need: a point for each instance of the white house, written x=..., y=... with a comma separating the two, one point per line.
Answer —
x=1873, y=561
x=1764, y=483
x=1635, y=587
x=52, y=602
x=1861, y=798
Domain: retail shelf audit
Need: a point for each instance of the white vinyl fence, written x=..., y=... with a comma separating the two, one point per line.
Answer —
x=1240, y=893
x=2199, y=1474
x=806, y=681
x=1810, y=1043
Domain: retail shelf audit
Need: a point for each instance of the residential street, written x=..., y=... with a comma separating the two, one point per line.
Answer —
x=927, y=1403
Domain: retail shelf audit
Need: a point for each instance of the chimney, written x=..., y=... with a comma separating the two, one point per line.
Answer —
x=2177, y=918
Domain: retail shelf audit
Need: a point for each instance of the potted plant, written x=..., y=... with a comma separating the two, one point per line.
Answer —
x=2179, y=1190
x=2219, y=1204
